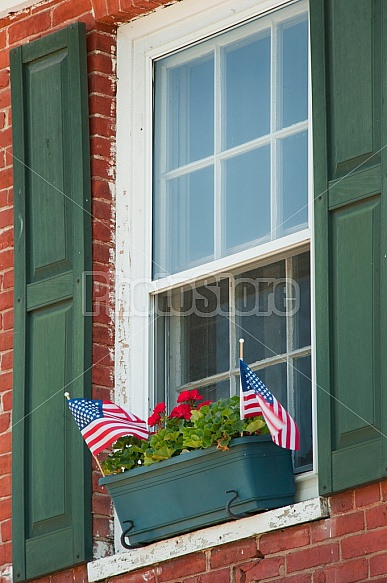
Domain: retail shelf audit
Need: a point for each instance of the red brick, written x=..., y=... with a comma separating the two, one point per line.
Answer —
x=102, y=252
x=100, y=126
x=234, y=553
x=102, y=169
x=3, y=39
x=101, y=41
x=349, y=572
x=5, y=425
x=5, y=98
x=6, y=176
x=102, y=505
x=2, y=119
x=8, y=280
x=5, y=553
x=6, y=259
x=100, y=9
x=376, y=517
x=145, y=575
x=6, y=531
x=70, y=10
x=6, y=340
x=312, y=557
x=367, y=495
x=5, y=486
x=342, y=502
x=299, y=578
x=182, y=567
x=347, y=524
x=29, y=26
x=221, y=576
x=5, y=508
x=6, y=360
x=6, y=218
x=6, y=400
x=102, y=231
x=102, y=63
x=102, y=314
x=6, y=239
x=102, y=105
x=101, y=526
x=320, y=530
x=364, y=544
x=8, y=320
x=5, y=141
x=102, y=376
x=102, y=210
x=102, y=354
x=259, y=569
x=102, y=84
x=378, y=565
x=63, y=577
x=102, y=190
x=6, y=380
x=102, y=147
x=5, y=442
x=282, y=540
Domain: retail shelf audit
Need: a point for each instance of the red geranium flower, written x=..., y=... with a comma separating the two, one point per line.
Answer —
x=189, y=396
x=181, y=412
x=160, y=408
x=154, y=419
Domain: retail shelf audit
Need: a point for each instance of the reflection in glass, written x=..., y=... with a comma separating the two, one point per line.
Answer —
x=260, y=311
x=246, y=99
x=293, y=87
x=246, y=195
x=294, y=182
x=303, y=459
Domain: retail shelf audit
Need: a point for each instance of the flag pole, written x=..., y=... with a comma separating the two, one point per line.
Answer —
x=67, y=395
x=241, y=342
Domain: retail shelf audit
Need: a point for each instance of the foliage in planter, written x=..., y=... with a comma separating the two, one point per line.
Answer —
x=191, y=425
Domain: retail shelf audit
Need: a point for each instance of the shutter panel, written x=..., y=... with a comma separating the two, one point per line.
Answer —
x=52, y=345
x=350, y=240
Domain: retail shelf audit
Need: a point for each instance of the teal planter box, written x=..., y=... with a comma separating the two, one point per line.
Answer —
x=197, y=489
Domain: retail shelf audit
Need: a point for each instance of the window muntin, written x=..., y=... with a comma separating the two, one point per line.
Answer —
x=230, y=111
x=198, y=329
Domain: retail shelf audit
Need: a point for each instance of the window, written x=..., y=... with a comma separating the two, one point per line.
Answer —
x=213, y=221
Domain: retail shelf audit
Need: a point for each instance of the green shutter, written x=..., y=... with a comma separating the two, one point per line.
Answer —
x=349, y=135
x=52, y=346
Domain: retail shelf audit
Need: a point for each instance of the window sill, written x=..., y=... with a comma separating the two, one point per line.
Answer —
x=201, y=540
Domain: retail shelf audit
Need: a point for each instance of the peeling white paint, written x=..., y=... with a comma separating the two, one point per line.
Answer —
x=6, y=574
x=102, y=549
x=202, y=540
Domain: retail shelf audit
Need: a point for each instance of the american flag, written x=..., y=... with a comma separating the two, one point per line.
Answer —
x=256, y=399
x=102, y=423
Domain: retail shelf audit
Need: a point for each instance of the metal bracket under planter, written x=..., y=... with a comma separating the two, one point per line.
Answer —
x=182, y=494
x=139, y=545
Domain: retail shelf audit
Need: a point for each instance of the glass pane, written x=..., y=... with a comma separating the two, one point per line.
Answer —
x=275, y=379
x=246, y=99
x=216, y=391
x=301, y=273
x=247, y=198
x=190, y=117
x=294, y=182
x=184, y=229
x=196, y=332
x=294, y=74
x=260, y=311
x=303, y=459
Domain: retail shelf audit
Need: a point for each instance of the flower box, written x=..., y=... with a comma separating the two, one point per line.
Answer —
x=201, y=488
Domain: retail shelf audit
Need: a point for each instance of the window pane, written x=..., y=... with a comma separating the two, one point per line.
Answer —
x=195, y=325
x=294, y=182
x=246, y=99
x=190, y=96
x=301, y=329
x=247, y=198
x=294, y=74
x=303, y=458
x=260, y=311
x=216, y=391
x=184, y=229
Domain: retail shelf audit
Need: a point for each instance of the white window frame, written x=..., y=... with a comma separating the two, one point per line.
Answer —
x=139, y=43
